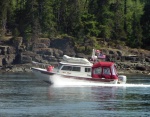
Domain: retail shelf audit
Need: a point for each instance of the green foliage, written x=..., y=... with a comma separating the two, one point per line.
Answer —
x=47, y=19
x=15, y=32
x=85, y=50
x=88, y=44
x=145, y=23
x=89, y=25
x=80, y=49
x=123, y=20
x=93, y=42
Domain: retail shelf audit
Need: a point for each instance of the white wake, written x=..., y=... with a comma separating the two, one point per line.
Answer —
x=64, y=82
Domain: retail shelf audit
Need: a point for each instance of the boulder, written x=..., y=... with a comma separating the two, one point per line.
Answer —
x=1, y=60
x=50, y=58
x=45, y=41
x=17, y=59
x=26, y=59
x=39, y=45
x=17, y=41
x=44, y=51
x=58, y=53
x=66, y=45
x=81, y=55
x=11, y=50
x=37, y=58
x=147, y=59
x=10, y=58
x=140, y=67
x=3, y=50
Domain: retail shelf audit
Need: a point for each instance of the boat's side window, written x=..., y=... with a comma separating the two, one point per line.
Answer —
x=98, y=70
x=87, y=69
x=67, y=68
x=75, y=68
x=106, y=71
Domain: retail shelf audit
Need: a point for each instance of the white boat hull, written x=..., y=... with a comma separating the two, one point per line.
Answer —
x=42, y=74
x=46, y=76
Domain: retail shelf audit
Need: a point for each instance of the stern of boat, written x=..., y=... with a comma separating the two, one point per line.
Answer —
x=122, y=79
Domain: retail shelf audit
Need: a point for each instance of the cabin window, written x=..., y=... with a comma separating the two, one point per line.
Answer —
x=97, y=70
x=87, y=69
x=75, y=68
x=67, y=68
x=106, y=71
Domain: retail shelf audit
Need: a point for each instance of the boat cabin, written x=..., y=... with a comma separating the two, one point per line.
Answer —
x=78, y=67
x=104, y=70
x=74, y=69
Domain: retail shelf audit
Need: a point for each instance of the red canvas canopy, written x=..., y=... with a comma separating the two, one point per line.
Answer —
x=103, y=64
x=104, y=70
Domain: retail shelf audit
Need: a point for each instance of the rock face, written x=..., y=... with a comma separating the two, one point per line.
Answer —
x=7, y=55
x=66, y=45
x=51, y=51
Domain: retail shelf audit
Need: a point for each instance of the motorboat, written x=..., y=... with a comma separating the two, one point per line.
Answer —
x=81, y=69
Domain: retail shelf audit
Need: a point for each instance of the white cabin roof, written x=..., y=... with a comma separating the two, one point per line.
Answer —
x=75, y=61
x=77, y=64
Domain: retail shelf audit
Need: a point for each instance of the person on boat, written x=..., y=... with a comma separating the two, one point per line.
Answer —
x=101, y=53
x=97, y=53
x=50, y=68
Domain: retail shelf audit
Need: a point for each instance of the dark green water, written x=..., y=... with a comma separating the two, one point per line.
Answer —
x=22, y=95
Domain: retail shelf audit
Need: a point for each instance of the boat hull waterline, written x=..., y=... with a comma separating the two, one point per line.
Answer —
x=47, y=76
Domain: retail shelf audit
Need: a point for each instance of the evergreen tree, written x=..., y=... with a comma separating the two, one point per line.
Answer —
x=118, y=30
x=46, y=17
x=101, y=10
x=6, y=7
x=134, y=29
x=27, y=19
x=145, y=22
x=125, y=20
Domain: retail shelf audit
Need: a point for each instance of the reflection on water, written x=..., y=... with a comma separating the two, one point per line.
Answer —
x=23, y=95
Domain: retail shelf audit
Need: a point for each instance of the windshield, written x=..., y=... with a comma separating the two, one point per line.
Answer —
x=106, y=71
x=97, y=70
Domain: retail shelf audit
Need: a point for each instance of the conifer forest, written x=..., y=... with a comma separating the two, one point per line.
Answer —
x=126, y=21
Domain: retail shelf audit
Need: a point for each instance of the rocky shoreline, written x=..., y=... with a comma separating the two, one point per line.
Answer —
x=19, y=58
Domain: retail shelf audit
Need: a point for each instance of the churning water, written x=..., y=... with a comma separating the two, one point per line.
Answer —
x=23, y=95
